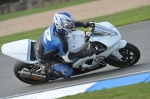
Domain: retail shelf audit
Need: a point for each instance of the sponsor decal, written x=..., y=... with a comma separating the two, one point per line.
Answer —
x=36, y=78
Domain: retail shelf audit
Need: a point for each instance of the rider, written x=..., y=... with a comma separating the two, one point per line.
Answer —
x=53, y=43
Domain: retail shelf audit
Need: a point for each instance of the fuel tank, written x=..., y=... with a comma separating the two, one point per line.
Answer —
x=76, y=41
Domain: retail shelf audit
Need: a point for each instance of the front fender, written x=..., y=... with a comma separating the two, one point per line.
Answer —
x=121, y=44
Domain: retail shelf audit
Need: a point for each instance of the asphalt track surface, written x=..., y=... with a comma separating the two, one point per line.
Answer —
x=137, y=34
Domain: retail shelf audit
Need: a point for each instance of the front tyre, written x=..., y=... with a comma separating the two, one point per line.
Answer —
x=130, y=53
x=19, y=66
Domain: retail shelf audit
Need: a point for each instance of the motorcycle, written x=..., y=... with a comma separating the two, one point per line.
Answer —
x=115, y=52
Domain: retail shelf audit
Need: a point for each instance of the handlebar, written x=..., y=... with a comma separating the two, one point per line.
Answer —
x=92, y=25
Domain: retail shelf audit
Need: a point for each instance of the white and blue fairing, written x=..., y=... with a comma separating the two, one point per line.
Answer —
x=106, y=33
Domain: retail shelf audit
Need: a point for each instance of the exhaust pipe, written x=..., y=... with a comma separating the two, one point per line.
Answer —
x=34, y=76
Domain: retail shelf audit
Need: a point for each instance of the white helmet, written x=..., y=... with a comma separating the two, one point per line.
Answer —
x=64, y=22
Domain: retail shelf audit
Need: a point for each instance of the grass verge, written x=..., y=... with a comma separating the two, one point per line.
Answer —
x=126, y=17
x=135, y=91
x=42, y=9
x=117, y=19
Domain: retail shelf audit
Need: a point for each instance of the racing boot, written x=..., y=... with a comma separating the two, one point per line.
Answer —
x=52, y=74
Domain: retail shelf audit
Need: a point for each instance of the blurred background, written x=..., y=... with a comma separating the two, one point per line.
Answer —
x=28, y=19
x=10, y=6
x=21, y=19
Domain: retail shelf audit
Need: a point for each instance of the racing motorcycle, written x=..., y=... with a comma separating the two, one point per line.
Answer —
x=104, y=36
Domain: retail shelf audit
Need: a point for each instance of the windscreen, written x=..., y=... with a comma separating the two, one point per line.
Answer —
x=104, y=31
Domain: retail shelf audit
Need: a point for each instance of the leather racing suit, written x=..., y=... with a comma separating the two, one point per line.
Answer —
x=53, y=42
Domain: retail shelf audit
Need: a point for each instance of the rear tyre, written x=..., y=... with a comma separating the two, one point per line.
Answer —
x=20, y=66
x=130, y=53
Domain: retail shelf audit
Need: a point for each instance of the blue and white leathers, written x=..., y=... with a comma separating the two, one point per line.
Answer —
x=52, y=43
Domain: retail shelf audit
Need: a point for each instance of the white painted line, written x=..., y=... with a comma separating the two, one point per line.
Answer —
x=117, y=76
x=73, y=85
x=53, y=94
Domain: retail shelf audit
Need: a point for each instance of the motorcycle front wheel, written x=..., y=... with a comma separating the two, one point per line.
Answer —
x=130, y=53
x=19, y=67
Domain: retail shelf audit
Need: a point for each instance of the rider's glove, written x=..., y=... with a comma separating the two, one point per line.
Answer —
x=88, y=24
x=91, y=24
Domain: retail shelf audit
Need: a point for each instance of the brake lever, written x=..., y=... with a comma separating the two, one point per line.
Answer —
x=92, y=30
x=92, y=25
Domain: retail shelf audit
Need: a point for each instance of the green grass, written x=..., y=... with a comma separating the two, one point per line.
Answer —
x=117, y=19
x=136, y=91
x=126, y=17
x=33, y=34
x=42, y=9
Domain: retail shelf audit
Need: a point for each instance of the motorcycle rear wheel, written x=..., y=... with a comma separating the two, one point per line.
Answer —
x=20, y=66
x=130, y=53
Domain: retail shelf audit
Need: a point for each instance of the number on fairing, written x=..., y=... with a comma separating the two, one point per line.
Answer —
x=47, y=35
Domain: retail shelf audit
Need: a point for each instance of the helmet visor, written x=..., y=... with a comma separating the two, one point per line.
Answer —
x=70, y=26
